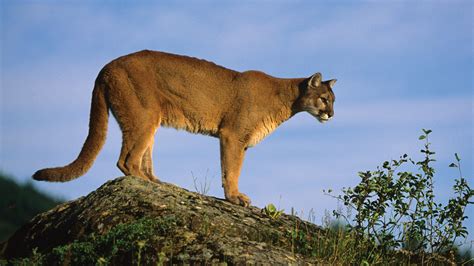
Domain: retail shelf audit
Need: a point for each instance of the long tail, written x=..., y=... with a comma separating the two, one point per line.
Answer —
x=95, y=140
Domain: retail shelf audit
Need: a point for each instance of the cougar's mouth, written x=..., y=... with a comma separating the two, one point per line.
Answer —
x=320, y=116
x=323, y=118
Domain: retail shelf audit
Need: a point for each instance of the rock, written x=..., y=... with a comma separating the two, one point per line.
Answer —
x=131, y=220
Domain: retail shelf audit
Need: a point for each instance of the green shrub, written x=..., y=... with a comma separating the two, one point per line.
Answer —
x=396, y=210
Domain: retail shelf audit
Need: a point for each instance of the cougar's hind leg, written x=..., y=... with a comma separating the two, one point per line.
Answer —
x=136, y=145
x=147, y=166
x=138, y=117
x=147, y=162
x=123, y=156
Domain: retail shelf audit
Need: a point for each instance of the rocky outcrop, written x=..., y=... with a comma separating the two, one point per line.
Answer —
x=133, y=221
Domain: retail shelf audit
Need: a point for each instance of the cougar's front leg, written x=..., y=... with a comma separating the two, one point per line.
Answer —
x=232, y=156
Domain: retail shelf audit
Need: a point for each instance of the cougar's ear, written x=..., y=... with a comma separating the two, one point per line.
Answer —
x=331, y=83
x=315, y=80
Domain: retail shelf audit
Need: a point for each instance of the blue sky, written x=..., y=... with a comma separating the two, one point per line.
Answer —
x=401, y=66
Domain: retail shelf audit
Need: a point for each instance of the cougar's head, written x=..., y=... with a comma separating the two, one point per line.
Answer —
x=318, y=98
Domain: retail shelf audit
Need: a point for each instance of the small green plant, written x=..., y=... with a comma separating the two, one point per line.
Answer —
x=161, y=259
x=271, y=211
x=101, y=261
x=396, y=210
x=140, y=244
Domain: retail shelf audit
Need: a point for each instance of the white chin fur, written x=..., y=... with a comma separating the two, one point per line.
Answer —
x=321, y=118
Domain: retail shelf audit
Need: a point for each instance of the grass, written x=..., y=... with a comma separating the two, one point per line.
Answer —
x=337, y=244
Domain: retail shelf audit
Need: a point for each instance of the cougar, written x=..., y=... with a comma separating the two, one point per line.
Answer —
x=149, y=89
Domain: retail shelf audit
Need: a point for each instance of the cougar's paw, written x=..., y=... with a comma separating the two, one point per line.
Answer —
x=240, y=199
x=153, y=178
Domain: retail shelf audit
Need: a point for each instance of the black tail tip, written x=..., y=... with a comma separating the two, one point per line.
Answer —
x=39, y=175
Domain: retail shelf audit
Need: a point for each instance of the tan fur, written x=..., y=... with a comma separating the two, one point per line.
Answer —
x=147, y=89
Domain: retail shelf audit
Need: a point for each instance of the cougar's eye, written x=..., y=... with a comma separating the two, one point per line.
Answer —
x=324, y=100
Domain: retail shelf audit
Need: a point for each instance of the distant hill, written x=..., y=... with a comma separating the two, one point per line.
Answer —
x=19, y=204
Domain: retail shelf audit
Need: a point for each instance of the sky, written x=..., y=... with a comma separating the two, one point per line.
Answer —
x=401, y=66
